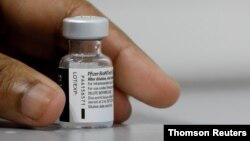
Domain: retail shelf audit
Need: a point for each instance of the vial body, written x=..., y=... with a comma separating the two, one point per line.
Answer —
x=89, y=94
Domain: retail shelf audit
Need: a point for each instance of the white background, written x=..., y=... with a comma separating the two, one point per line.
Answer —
x=192, y=40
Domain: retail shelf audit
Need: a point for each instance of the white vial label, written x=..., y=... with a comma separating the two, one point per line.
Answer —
x=90, y=95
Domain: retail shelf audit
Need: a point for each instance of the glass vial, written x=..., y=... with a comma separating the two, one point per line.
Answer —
x=86, y=75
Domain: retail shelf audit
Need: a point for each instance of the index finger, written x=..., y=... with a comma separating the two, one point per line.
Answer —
x=135, y=73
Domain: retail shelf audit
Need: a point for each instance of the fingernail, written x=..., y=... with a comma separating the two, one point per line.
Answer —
x=36, y=100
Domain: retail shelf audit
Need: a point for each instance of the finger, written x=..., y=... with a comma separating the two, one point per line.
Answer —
x=139, y=77
x=122, y=106
x=135, y=73
x=26, y=96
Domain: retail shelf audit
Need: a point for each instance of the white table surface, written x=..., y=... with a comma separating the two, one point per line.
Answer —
x=200, y=103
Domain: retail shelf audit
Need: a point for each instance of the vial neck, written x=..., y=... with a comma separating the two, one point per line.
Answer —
x=84, y=47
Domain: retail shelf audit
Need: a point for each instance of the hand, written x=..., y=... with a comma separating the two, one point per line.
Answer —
x=30, y=31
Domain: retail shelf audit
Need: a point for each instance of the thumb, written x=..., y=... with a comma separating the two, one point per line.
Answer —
x=26, y=96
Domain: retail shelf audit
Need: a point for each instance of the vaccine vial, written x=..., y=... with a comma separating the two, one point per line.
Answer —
x=86, y=75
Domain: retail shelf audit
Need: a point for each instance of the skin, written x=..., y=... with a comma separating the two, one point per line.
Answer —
x=30, y=32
